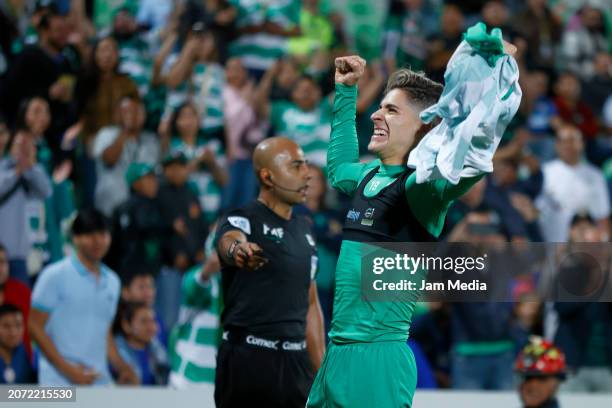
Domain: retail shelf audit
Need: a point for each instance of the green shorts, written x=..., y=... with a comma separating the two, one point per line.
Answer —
x=368, y=375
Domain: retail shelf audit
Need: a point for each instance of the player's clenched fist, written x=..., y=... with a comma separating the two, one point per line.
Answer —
x=349, y=69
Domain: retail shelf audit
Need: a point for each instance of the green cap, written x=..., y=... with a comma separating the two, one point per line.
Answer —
x=175, y=157
x=137, y=170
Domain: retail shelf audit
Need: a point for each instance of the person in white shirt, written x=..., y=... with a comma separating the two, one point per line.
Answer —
x=571, y=186
x=115, y=147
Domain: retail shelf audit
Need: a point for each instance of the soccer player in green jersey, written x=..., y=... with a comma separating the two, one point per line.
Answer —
x=368, y=363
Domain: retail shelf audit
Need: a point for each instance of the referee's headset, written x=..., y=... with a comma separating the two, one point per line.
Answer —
x=269, y=178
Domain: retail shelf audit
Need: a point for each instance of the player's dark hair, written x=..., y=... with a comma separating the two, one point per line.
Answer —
x=88, y=221
x=2, y=248
x=420, y=90
x=9, y=309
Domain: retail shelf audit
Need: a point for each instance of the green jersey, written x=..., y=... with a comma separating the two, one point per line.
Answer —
x=356, y=319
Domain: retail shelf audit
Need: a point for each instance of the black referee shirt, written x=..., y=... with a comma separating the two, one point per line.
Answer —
x=272, y=300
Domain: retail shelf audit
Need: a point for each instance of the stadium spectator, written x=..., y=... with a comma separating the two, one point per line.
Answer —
x=138, y=285
x=21, y=179
x=218, y=16
x=15, y=364
x=197, y=333
x=406, y=30
x=285, y=80
x=497, y=215
x=243, y=131
x=316, y=33
x=599, y=86
x=46, y=69
x=441, y=45
x=571, y=106
x=73, y=306
x=583, y=40
x=35, y=115
x=139, y=232
x=100, y=90
x=136, y=346
x=206, y=158
x=194, y=75
x=46, y=216
x=13, y=292
x=541, y=29
x=495, y=14
x=528, y=311
x=135, y=56
x=306, y=119
x=179, y=205
x=263, y=32
x=115, y=148
x=540, y=113
x=541, y=366
x=583, y=330
x=482, y=345
x=504, y=186
x=583, y=188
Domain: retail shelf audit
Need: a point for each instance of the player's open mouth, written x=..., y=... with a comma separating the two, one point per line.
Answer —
x=380, y=134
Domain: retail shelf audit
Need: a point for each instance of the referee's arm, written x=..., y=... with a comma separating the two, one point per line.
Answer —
x=315, y=332
x=234, y=249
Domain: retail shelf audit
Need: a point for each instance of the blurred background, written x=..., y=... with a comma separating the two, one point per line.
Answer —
x=180, y=91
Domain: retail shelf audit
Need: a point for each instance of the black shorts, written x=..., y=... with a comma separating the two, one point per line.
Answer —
x=262, y=373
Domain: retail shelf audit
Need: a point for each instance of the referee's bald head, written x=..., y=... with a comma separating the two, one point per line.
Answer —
x=281, y=168
x=272, y=152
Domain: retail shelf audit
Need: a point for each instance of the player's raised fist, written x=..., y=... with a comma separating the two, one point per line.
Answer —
x=349, y=69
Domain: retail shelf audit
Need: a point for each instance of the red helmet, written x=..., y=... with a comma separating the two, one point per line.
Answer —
x=540, y=358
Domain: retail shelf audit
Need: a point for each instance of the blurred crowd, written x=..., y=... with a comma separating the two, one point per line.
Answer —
x=148, y=111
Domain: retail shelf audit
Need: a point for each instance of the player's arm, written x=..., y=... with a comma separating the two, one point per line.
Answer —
x=430, y=201
x=315, y=329
x=343, y=167
x=234, y=249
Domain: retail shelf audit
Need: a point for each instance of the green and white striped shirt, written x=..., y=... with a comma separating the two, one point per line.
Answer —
x=310, y=130
x=205, y=89
x=136, y=61
x=209, y=191
x=259, y=51
x=194, y=340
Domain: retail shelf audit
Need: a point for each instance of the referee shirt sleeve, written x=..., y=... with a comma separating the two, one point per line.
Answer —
x=45, y=296
x=232, y=221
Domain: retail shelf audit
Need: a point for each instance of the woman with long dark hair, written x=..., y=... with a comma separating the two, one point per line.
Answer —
x=205, y=155
x=98, y=93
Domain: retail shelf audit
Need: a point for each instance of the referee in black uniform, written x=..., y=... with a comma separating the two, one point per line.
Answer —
x=273, y=339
